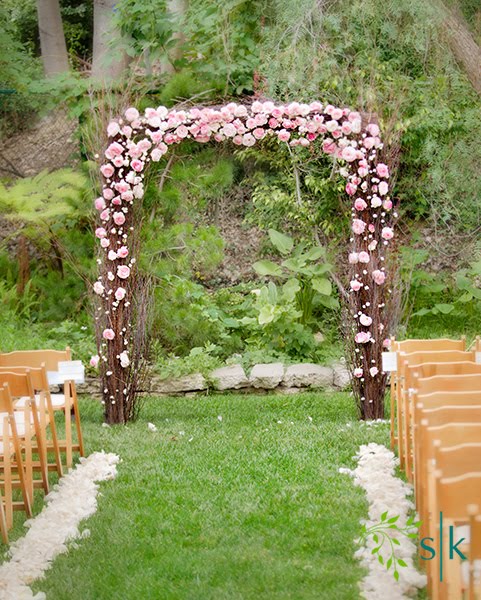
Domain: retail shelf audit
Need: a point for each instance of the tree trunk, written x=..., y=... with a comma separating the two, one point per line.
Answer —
x=108, y=63
x=177, y=9
x=463, y=46
x=52, y=39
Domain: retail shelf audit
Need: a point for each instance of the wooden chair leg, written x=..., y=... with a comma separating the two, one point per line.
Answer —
x=55, y=442
x=400, y=417
x=68, y=433
x=40, y=428
x=7, y=473
x=3, y=522
x=78, y=425
x=20, y=468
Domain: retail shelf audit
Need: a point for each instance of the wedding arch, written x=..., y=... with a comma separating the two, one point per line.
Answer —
x=136, y=140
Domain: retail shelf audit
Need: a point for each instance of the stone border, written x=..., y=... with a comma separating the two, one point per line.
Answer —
x=263, y=378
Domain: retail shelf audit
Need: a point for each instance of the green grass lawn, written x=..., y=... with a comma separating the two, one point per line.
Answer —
x=250, y=506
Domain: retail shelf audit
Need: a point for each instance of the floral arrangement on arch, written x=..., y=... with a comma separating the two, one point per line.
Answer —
x=135, y=140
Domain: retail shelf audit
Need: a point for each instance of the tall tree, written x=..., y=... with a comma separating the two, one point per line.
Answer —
x=109, y=60
x=52, y=38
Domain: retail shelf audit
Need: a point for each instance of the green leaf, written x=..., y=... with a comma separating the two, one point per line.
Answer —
x=393, y=519
x=323, y=286
x=267, y=267
x=375, y=538
x=266, y=314
x=389, y=563
x=401, y=562
x=375, y=550
x=384, y=516
x=396, y=575
x=395, y=541
x=290, y=289
x=380, y=559
x=445, y=309
x=422, y=312
x=314, y=253
x=282, y=242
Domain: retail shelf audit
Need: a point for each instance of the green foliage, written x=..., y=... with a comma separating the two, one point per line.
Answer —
x=202, y=359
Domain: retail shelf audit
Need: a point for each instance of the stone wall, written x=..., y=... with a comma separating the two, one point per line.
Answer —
x=262, y=378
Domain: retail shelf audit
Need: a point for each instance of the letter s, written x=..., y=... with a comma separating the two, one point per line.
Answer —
x=431, y=550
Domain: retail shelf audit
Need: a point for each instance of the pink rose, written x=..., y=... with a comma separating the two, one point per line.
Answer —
x=329, y=146
x=137, y=165
x=358, y=226
x=369, y=142
x=355, y=285
x=99, y=203
x=365, y=320
x=372, y=129
x=351, y=189
x=108, y=194
x=362, y=171
x=358, y=372
x=376, y=202
x=371, y=227
x=112, y=255
x=363, y=257
x=98, y=288
x=105, y=242
x=108, y=334
x=382, y=170
x=386, y=343
x=113, y=129
x=131, y=114
x=248, y=140
x=107, y=170
x=105, y=214
x=123, y=271
x=94, y=360
x=353, y=258
x=362, y=337
x=259, y=133
x=360, y=204
x=383, y=188
x=118, y=161
x=349, y=154
x=379, y=277
x=122, y=252
x=115, y=149
x=374, y=371
x=156, y=154
x=119, y=218
x=120, y=293
x=387, y=233
x=284, y=135
x=387, y=205
x=100, y=232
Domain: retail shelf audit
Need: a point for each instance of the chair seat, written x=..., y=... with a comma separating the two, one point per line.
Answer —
x=58, y=401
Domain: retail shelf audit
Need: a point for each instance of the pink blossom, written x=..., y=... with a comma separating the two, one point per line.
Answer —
x=371, y=227
x=119, y=218
x=372, y=245
x=277, y=112
x=387, y=233
x=113, y=129
x=355, y=285
x=115, y=149
x=382, y=170
x=387, y=205
x=105, y=214
x=284, y=135
x=108, y=194
x=123, y=271
x=360, y=204
x=248, y=139
x=99, y=203
x=122, y=252
x=374, y=371
x=376, y=202
x=107, y=170
x=108, y=334
x=365, y=320
x=105, y=242
x=156, y=154
x=369, y=142
x=118, y=161
x=383, y=188
x=332, y=125
x=358, y=226
x=259, y=133
x=363, y=171
x=131, y=114
x=379, y=276
x=127, y=131
x=372, y=129
x=98, y=288
x=100, y=232
x=120, y=293
x=363, y=257
x=112, y=255
x=137, y=165
x=117, y=201
x=337, y=114
x=329, y=146
x=122, y=187
x=229, y=130
x=349, y=154
x=362, y=337
x=358, y=372
x=351, y=189
x=353, y=258
x=346, y=128
x=182, y=131
x=94, y=360
x=273, y=123
x=386, y=343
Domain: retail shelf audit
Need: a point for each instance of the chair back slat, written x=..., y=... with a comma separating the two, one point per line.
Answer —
x=19, y=384
x=457, y=460
x=440, y=344
x=447, y=383
x=35, y=358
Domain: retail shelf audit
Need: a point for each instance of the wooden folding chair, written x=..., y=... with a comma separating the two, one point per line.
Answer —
x=453, y=497
x=404, y=406
x=408, y=347
x=20, y=386
x=65, y=402
x=11, y=462
x=41, y=387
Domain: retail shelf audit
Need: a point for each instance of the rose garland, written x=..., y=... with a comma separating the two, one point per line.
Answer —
x=136, y=139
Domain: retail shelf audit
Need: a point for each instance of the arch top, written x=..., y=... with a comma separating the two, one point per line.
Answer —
x=137, y=139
